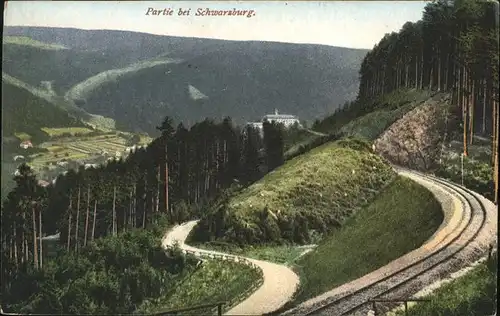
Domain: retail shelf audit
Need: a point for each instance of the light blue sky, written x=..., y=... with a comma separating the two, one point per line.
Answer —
x=357, y=24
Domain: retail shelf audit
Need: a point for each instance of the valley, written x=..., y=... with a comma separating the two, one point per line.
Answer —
x=134, y=182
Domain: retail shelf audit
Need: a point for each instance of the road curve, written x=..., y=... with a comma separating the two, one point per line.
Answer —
x=470, y=225
x=280, y=282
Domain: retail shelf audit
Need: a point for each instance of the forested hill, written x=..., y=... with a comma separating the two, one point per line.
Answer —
x=453, y=49
x=138, y=78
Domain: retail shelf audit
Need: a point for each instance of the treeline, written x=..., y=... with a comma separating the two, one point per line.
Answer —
x=453, y=48
x=176, y=175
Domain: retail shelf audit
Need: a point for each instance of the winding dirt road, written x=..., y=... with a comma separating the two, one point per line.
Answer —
x=280, y=282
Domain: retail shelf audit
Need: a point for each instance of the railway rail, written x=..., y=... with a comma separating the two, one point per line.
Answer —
x=359, y=300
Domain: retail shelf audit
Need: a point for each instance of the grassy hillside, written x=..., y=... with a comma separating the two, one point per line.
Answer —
x=316, y=191
x=401, y=218
x=28, y=113
x=369, y=118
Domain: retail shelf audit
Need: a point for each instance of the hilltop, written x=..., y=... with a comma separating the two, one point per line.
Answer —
x=136, y=78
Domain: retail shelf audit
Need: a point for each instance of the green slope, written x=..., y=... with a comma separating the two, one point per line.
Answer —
x=27, y=110
x=34, y=61
x=316, y=191
x=400, y=219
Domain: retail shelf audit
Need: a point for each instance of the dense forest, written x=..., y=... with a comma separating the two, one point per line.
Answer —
x=84, y=205
x=453, y=49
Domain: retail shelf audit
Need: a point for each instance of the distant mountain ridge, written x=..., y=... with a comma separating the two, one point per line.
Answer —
x=241, y=79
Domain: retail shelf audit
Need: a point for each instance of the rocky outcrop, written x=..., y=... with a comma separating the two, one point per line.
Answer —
x=416, y=140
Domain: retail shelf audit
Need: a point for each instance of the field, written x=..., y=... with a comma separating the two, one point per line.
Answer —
x=399, y=220
x=66, y=130
x=75, y=148
x=22, y=136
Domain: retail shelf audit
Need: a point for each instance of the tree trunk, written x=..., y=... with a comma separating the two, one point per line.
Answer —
x=35, y=243
x=134, y=208
x=26, y=248
x=77, y=219
x=93, y=222
x=40, y=234
x=483, y=128
x=447, y=71
x=439, y=70
x=157, y=190
x=15, y=243
x=495, y=152
x=464, y=110
x=87, y=217
x=114, y=211
x=431, y=77
x=145, y=203
x=422, y=68
x=471, y=113
x=166, y=182
x=69, y=220
x=416, y=72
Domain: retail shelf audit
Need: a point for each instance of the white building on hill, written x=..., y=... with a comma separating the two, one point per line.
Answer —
x=285, y=119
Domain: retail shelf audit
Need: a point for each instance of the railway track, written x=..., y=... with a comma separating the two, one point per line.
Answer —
x=358, y=301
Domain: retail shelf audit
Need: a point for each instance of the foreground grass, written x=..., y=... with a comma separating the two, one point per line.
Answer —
x=400, y=219
x=216, y=281
x=472, y=294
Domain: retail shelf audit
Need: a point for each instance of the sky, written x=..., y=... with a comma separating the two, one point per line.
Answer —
x=355, y=24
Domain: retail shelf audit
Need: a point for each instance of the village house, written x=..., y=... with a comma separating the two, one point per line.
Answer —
x=43, y=183
x=26, y=144
x=62, y=163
